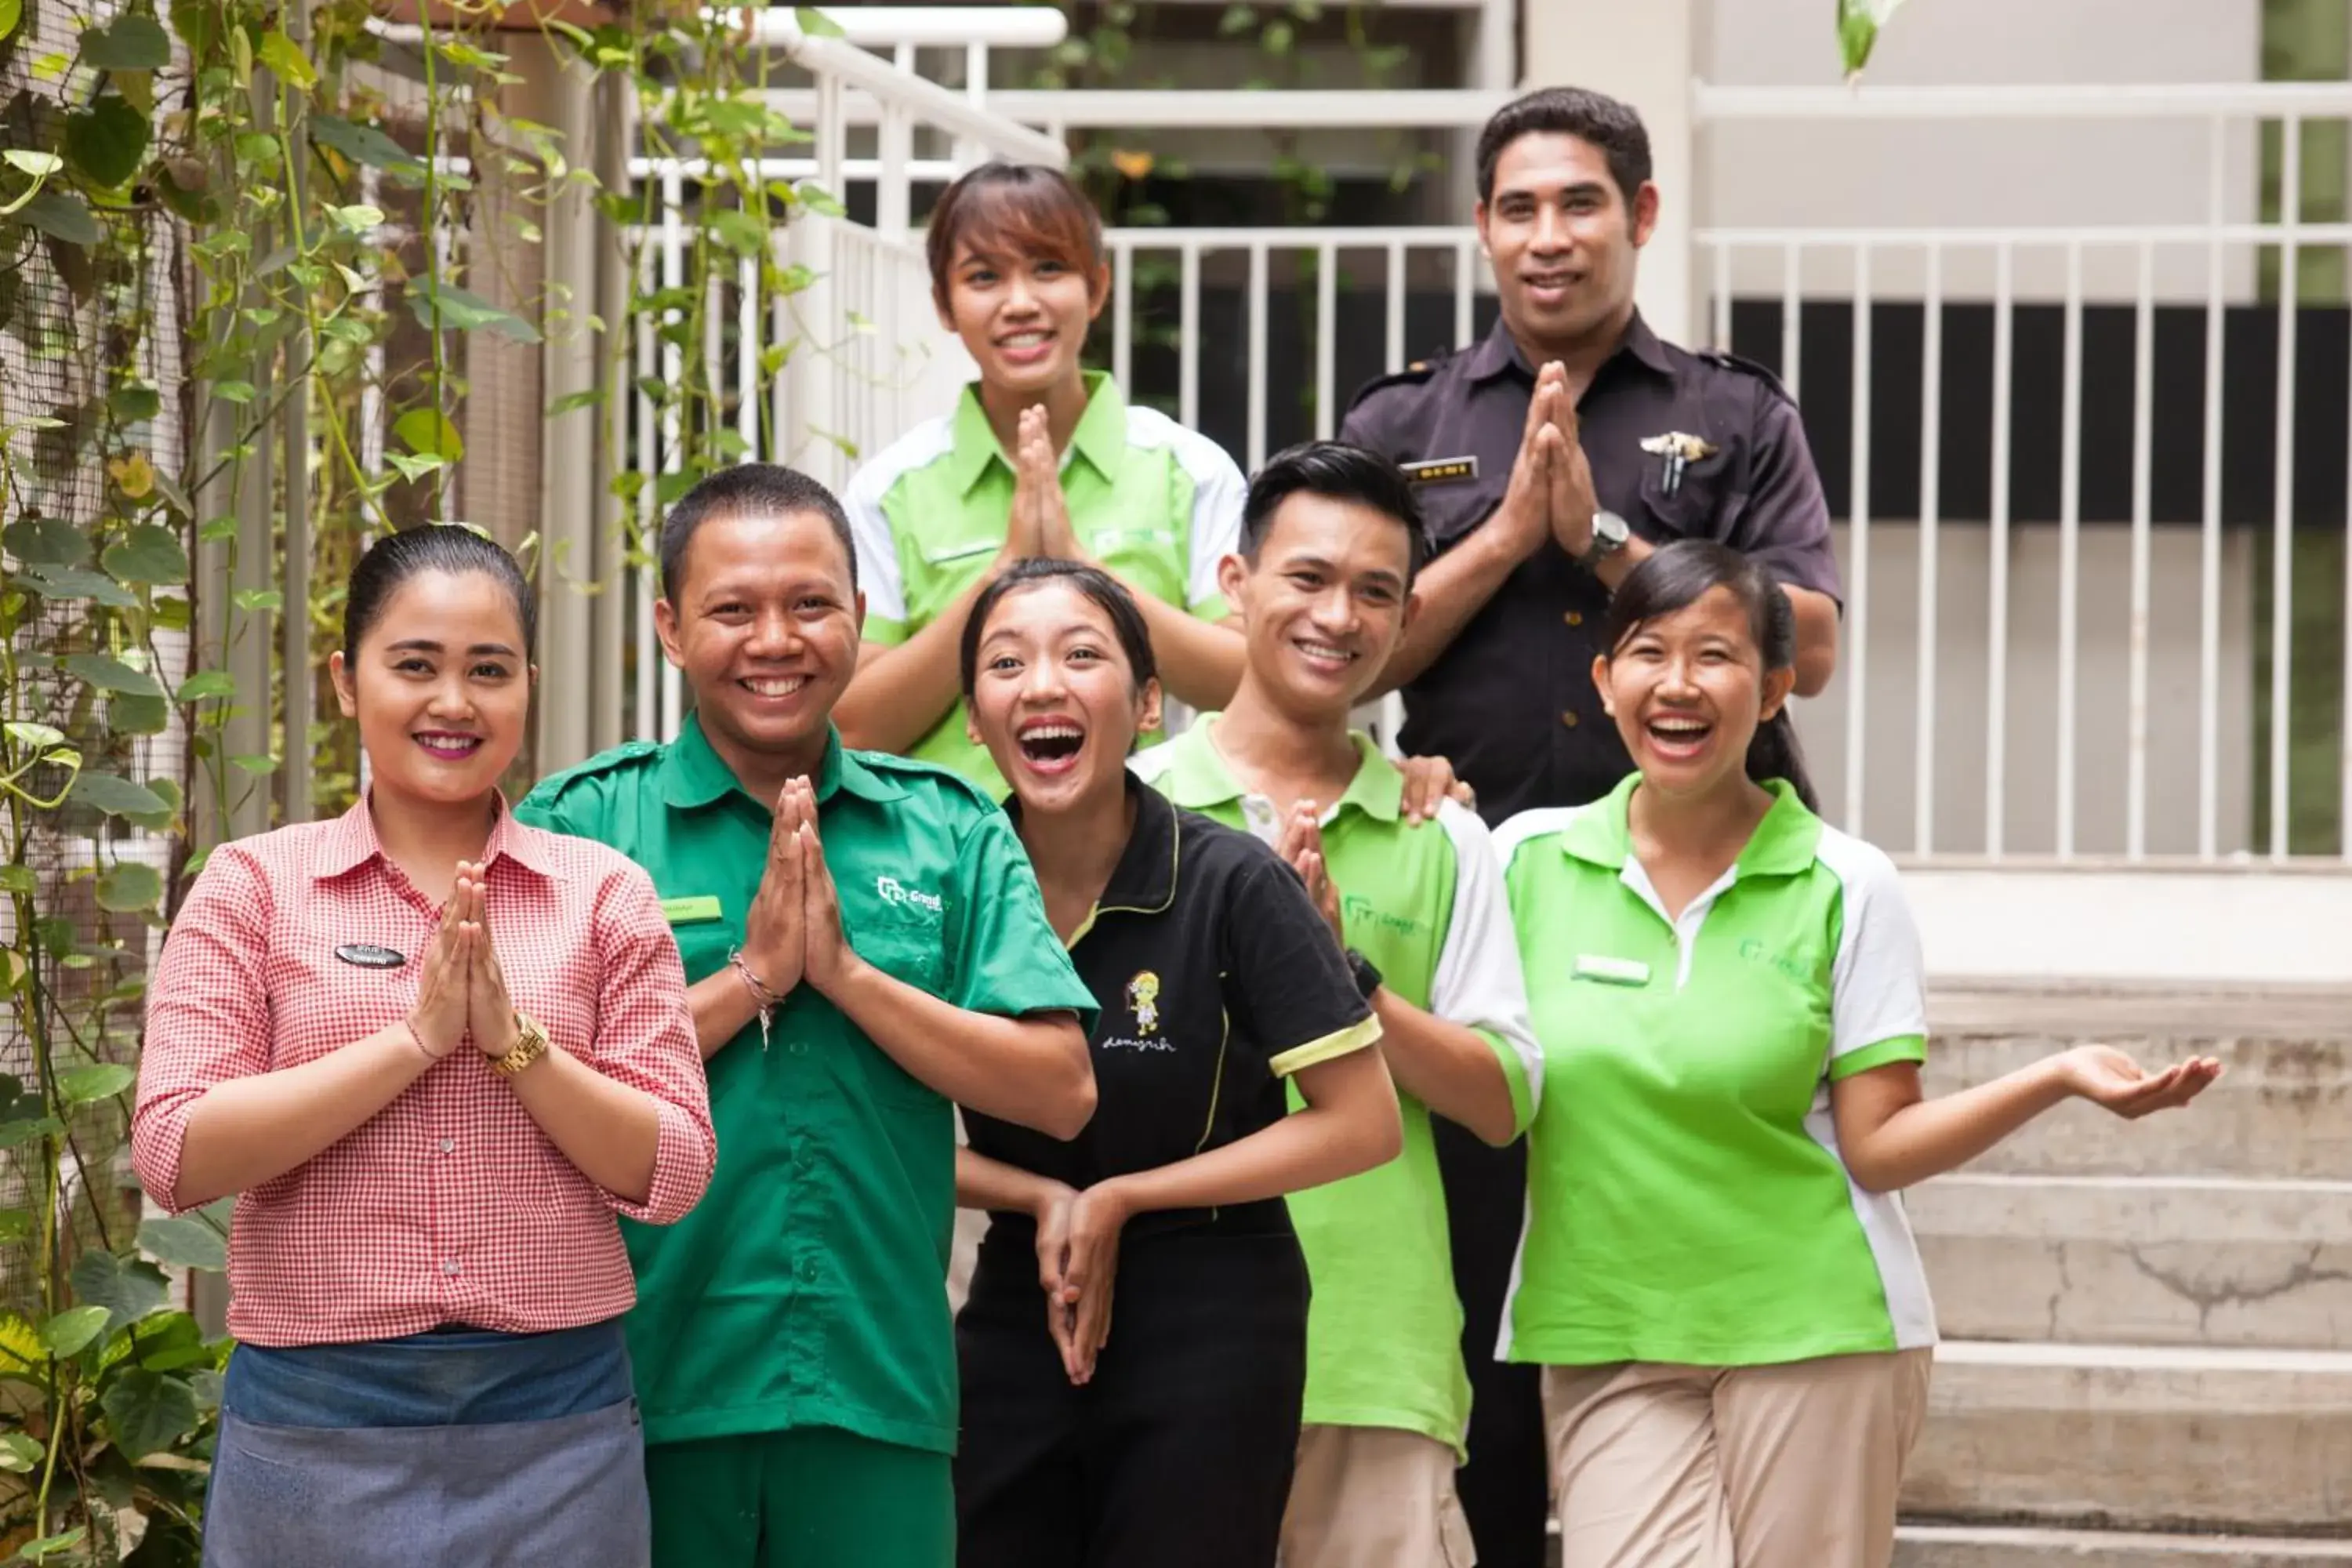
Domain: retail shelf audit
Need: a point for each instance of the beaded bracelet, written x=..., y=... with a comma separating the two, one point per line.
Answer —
x=762, y=997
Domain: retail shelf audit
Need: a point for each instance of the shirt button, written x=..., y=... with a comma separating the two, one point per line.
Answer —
x=450, y=1267
x=1575, y=617
x=808, y=1270
x=448, y=1145
x=1569, y=719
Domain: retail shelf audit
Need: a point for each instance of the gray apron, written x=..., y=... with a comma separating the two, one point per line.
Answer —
x=427, y=1451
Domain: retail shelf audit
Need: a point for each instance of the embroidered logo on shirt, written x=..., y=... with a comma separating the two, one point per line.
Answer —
x=891, y=891
x=367, y=955
x=1357, y=911
x=1143, y=1001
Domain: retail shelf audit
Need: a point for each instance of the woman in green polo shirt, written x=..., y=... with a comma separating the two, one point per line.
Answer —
x=1042, y=457
x=1716, y=1274
x=1170, y=1443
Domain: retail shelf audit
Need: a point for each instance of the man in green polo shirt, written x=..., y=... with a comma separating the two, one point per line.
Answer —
x=1330, y=540
x=865, y=947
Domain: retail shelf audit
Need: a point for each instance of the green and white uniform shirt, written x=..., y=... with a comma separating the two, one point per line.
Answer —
x=1425, y=905
x=1151, y=500
x=1687, y=1202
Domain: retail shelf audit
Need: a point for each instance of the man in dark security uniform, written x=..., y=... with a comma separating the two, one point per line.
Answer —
x=1552, y=458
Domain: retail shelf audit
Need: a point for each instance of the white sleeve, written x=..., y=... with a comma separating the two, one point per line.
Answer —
x=878, y=576
x=1478, y=984
x=1218, y=493
x=1878, y=990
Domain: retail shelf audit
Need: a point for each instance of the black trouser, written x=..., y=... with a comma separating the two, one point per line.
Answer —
x=1177, y=1454
x=1505, y=1492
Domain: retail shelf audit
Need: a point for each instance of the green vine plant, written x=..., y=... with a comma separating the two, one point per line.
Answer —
x=236, y=278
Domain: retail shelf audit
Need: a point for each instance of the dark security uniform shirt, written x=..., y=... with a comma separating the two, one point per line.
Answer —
x=1216, y=980
x=1511, y=702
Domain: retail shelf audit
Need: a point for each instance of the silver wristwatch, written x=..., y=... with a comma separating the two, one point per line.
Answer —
x=1609, y=536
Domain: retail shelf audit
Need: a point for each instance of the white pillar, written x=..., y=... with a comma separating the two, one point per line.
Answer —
x=1643, y=54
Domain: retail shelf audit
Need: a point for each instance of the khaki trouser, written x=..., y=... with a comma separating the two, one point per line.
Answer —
x=1757, y=1466
x=1373, y=1497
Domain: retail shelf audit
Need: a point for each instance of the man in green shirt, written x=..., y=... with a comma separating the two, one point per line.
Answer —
x=1330, y=541
x=865, y=947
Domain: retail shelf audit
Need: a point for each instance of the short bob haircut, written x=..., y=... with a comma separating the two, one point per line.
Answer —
x=1013, y=209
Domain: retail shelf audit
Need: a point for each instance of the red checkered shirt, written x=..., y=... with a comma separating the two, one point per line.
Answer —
x=449, y=1204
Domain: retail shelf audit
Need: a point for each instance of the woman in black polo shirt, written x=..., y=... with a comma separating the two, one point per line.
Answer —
x=1169, y=1445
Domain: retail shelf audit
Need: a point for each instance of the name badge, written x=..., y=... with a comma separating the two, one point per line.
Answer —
x=367, y=955
x=691, y=911
x=1611, y=971
x=1437, y=469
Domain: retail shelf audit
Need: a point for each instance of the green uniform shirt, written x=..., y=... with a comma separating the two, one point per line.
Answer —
x=1425, y=905
x=808, y=1287
x=1686, y=1199
x=1156, y=503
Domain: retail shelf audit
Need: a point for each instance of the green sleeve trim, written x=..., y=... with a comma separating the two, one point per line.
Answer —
x=1338, y=1043
x=890, y=634
x=1515, y=1074
x=1902, y=1048
x=1212, y=609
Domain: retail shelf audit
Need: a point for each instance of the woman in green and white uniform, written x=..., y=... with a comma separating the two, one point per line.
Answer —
x=1716, y=1274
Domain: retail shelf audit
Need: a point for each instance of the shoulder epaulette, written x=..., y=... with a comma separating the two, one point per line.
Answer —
x=1724, y=359
x=916, y=767
x=603, y=762
x=1412, y=374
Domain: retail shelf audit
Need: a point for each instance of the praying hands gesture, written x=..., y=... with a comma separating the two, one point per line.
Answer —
x=1040, y=522
x=1301, y=845
x=461, y=992
x=793, y=931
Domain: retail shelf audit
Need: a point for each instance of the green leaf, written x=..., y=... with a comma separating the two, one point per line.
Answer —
x=445, y=307
x=413, y=468
x=260, y=764
x=819, y=200
x=107, y=141
x=116, y=796
x=816, y=24
x=134, y=401
x=99, y=1081
x=49, y=1546
x=206, y=683
x=430, y=432
x=77, y=583
x=14, y=1134
x=1858, y=22
x=237, y=391
x=61, y=215
x=571, y=401
x=285, y=57
x=18, y=880
x=128, y=1288
x=20, y=1452
x=72, y=1328
x=137, y=715
x=45, y=541
x=110, y=674
x=150, y=553
x=259, y=600
x=129, y=888
x=40, y=166
x=130, y=43
x=739, y=232
x=36, y=737
x=184, y=1242
x=149, y=1411
x=366, y=144
x=356, y=220
x=11, y=13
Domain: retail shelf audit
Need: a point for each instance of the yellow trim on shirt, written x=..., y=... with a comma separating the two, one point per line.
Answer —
x=1354, y=1037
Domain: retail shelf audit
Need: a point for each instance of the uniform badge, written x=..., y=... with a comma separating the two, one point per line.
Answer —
x=1680, y=451
x=1143, y=1001
x=367, y=955
x=1435, y=470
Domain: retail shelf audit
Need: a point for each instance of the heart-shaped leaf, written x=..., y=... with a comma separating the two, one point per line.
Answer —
x=94, y=1081
x=129, y=886
x=70, y=1330
x=206, y=683
x=76, y=582
x=107, y=143
x=150, y=1412
x=366, y=144
x=45, y=541
x=110, y=674
x=184, y=1242
x=130, y=43
x=61, y=215
x=137, y=715
x=117, y=796
x=129, y=1288
x=148, y=553
x=430, y=432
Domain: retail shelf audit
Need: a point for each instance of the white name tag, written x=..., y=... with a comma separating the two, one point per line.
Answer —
x=1611, y=971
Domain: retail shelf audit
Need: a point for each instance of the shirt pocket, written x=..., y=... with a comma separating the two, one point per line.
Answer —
x=1152, y=557
x=1452, y=508
x=1701, y=505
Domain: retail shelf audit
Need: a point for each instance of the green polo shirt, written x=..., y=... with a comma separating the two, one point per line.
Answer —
x=807, y=1289
x=1687, y=1202
x=1156, y=503
x=1425, y=904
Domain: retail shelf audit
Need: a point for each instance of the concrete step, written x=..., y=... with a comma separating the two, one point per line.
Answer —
x=2137, y=1438
x=1966, y=1546
x=2158, y=1261
x=2283, y=1109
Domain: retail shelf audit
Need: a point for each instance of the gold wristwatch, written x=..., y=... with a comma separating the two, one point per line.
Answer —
x=530, y=1043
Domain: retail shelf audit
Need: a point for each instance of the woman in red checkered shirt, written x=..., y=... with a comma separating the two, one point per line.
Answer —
x=433, y=1052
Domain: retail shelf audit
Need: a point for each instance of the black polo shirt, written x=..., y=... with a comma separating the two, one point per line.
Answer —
x=1218, y=979
x=1511, y=702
